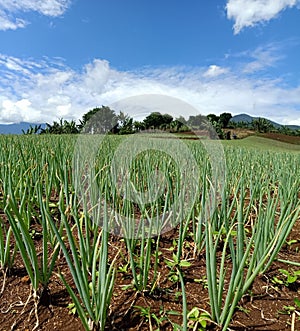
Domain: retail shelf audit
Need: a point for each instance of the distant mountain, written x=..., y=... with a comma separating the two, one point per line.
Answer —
x=17, y=128
x=248, y=119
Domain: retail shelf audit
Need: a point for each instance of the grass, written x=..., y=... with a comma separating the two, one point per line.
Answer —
x=261, y=143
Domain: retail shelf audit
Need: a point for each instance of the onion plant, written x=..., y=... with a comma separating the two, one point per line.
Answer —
x=7, y=253
x=26, y=200
x=138, y=188
x=153, y=191
x=91, y=271
x=251, y=229
x=39, y=270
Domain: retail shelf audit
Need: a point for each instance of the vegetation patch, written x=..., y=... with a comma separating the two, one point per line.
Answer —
x=233, y=266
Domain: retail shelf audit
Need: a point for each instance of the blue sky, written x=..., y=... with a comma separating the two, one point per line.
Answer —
x=61, y=58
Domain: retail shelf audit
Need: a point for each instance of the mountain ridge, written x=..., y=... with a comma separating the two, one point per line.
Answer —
x=248, y=119
x=16, y=128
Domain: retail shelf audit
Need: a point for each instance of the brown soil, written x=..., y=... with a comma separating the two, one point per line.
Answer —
x=283, y=137
x=243, y=133
x=240, y=133
x=261, y=309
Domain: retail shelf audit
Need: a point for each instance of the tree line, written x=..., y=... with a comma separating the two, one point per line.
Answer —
x=102, y=120
x=262, y=125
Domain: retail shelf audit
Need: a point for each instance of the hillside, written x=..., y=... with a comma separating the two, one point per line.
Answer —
x=16, y=128
x=248, y=119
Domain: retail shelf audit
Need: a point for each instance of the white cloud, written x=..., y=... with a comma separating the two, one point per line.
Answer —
x=247, y=13
x=10, y=111
x=214, y=71
x=295, y=121
x=45, y=91
x=10, y=9
x=9, y=23
x=262, y=57
x=262, y=60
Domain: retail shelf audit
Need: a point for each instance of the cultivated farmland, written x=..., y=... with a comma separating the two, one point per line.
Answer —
x=95, y=237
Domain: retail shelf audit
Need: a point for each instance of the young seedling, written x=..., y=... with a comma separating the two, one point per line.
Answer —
x=148, y=316
x=173, y=264
x=202, y=280
x=197, y=319
x=286, y=278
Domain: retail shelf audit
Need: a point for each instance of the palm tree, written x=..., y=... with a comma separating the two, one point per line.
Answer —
x=262, y=125
x=125, y=123
x=32, y=129
x=61, y=127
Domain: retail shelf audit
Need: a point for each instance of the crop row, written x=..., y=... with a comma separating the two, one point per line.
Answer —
x=237, y=206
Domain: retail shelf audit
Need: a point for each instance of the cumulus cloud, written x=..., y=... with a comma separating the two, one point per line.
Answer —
x=247, y=13
x=9, y=10
x=43, y=91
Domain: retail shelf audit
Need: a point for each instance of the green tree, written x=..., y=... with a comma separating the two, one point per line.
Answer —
x=70, y=127
x=153, y=120
x=198, y=122
x=213, y=118
x=138, y=126
x=54, y=128
x=166, y=121
x=99, y=120
x=32, y=129
x=125, y=123
x=156, y=120
x=262, y=125
x=242, y=125
x=61, y=127
x=182, y=120
x=216, y=129
x=178, y=124
x=286, y=130
x=224, y=119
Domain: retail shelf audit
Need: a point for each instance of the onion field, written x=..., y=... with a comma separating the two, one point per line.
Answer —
x=147, y=233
